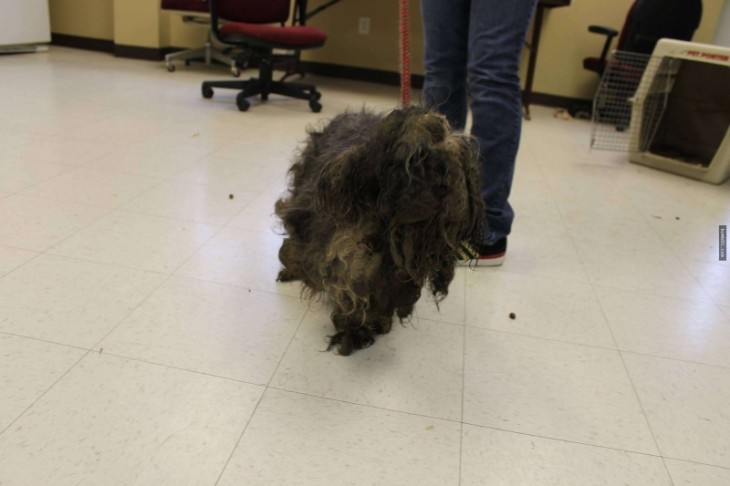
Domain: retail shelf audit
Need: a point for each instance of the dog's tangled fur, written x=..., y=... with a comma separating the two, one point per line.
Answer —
x=376, y=209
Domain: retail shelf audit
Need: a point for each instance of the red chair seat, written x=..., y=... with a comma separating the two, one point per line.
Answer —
x=294, y=35
x=185, y=5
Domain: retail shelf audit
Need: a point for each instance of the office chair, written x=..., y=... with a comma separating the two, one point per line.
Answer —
x=196, y=11
x=249, y=27
x=646, y=22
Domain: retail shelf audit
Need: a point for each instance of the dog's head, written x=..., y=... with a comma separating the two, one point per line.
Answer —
x=428, y=192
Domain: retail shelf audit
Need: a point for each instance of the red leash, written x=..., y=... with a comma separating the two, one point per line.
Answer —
x=405, y=54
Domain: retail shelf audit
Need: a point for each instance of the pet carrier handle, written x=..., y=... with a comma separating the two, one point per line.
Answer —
x=405, y=53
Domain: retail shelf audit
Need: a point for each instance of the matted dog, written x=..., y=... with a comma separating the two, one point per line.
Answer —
x=376, y=209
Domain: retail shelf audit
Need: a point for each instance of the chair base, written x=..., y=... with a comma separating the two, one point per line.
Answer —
x=207, y=54
x=263, y=88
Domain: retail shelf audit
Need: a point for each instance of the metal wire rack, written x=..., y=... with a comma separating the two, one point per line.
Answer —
x=621, y=90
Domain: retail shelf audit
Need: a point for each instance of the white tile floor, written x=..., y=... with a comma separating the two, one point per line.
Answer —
x=144, y=340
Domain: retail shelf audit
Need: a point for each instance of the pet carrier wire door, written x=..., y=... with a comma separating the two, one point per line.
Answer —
x=670, y=110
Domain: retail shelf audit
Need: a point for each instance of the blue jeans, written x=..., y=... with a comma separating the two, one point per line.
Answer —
x=473, y=50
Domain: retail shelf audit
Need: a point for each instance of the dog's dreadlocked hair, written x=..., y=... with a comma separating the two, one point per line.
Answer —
x=377, y=207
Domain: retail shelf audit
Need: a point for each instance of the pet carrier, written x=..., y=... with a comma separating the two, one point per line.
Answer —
x=669, y=110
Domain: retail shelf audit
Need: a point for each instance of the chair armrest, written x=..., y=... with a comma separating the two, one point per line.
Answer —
x=600, y=29
x=609, y=33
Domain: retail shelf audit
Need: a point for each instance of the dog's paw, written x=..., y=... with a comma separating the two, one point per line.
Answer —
x=351, y=340
x=382, y=325
x=286, y=275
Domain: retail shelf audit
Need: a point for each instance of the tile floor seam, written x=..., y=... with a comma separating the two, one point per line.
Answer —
x=68, y=169
x=690, y=461
x=695, y=278
x=542, y=338
x=672, y=252
x=373, y=407
x=38, y=255
x=42, y=198
x=414, y=325
x=113, y=170
x=214, y=234
x=560, y=439
x=100, y=350
x=122, y=209
x=168, y=218
x=553, y=199
x=66, y=345
x=680, y=360
x=669, y=473
x=83, y=227
x=13, y=247
x=126, y=315
x=523, y=273
x=45, y=392
x=91, y=122
x=633, y=388
x=240, y=437
x=288, y=346
x=643, y=411
x=106, y=264
x=95, y=158
x=649, y=293
x=145, y=191
x=236, y=286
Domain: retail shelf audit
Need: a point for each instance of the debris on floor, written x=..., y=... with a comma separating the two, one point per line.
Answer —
x=562, y=115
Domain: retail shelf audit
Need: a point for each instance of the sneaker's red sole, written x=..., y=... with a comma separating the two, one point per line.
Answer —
x=486, y=261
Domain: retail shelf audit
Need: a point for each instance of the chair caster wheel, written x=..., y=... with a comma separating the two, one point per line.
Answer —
x=170, y=68
x=314, y=104
x=236, y=72
x=207, y=92
x=242, y=103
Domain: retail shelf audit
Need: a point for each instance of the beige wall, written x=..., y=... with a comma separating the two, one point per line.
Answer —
x=84, y=18
x=128, y=22
x=379, y=49
x=181, y=34
x=137, y=23
x=565, y=39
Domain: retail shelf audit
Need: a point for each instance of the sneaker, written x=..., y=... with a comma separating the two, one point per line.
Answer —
x=482, y=255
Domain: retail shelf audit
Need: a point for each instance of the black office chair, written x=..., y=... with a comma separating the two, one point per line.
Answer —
x=249, y=27
x=646, y=22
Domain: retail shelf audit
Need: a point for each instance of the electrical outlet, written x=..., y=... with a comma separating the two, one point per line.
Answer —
x=363, y=26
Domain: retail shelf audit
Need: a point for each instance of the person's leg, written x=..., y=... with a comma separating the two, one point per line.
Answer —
x=497, y=31
x=446, y=30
